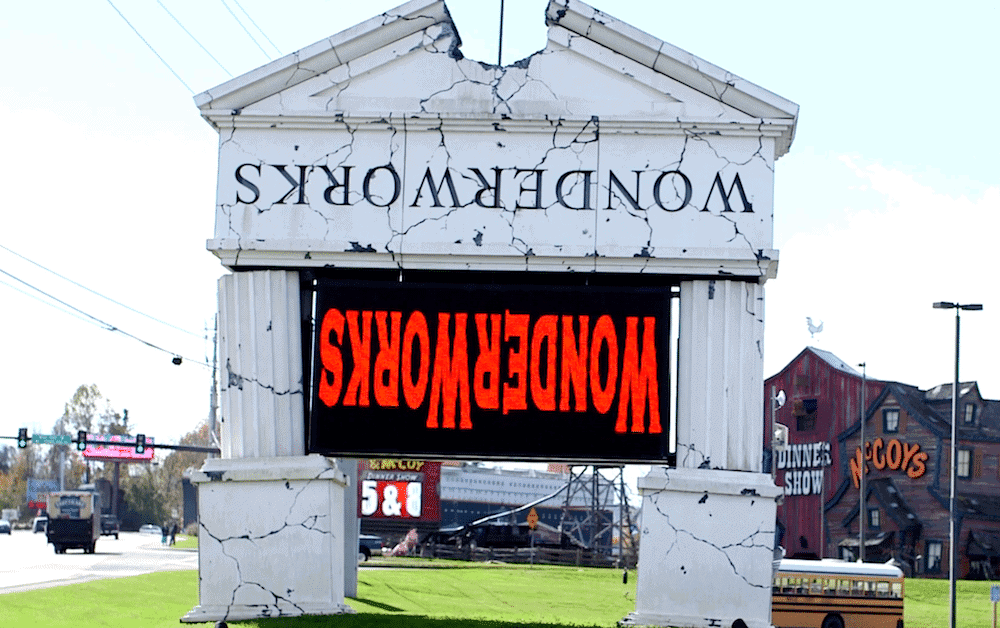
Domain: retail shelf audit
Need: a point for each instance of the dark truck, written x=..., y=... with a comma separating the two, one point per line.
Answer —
x=109, y=525
x=74, y=521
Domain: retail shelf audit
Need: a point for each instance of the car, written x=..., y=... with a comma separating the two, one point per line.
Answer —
x=151, y=529
x=109, y=525
x=4, y=526
x=368, y=544
x=39, y=524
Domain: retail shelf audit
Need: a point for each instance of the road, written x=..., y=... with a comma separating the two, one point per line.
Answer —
x=29, y=562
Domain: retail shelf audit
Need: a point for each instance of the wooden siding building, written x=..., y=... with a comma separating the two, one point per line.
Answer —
x=907, y=458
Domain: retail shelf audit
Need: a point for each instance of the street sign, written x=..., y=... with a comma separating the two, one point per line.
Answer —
x=51, y=439
x=532, y=519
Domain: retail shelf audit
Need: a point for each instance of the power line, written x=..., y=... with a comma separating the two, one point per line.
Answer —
x=245, y=30
x=107, y=326
x=148, y=45
x=236, y=2
x=48, y=303
x=217, y=62
x=80, y=285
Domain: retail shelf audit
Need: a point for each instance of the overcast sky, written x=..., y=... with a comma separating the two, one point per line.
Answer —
x=888, y=200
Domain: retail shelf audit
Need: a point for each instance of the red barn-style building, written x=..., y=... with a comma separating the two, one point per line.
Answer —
x=907, y=458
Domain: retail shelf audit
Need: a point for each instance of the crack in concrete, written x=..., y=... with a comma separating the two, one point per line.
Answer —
x=309, y=523
x=757, y=540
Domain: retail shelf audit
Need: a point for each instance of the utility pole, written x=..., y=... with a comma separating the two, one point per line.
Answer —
x=213, y=394
x=862, y=508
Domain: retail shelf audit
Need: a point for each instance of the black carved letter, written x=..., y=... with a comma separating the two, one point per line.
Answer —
x=687, y=190
x=346, y=185
x=366, y=188
x=299, y=185
x=244, y=182
x=747, y=205
x=486, y=187
x=586, y=188
x=537, y=190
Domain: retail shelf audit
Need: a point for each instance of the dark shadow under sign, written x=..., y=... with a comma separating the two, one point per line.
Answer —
x=491, y=372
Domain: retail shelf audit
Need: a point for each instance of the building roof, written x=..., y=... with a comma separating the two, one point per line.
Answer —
x=833, y=361
x=884, y=491
x=572, y=24
x=942, y=392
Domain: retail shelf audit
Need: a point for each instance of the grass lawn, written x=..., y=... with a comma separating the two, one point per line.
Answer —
x=425, y=594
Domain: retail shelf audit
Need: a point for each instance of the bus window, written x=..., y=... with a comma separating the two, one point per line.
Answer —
x=830, y=586
x=844, y=588
x=897, y=589
x=817, y=586
x=882, y=589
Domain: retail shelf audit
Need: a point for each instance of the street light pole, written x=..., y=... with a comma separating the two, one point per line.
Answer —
x=863, y=506
x=952, y=549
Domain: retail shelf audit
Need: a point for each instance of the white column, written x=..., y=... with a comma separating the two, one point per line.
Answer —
x=720, y=375
x=260, y=354
x=705, y=558
x=271, y=538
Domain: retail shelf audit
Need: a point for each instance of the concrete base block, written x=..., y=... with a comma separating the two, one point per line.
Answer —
x=271, y=538
x=706, y=551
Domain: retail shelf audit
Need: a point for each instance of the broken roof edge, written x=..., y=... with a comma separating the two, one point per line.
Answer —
x=326, y=54
x=673, y=62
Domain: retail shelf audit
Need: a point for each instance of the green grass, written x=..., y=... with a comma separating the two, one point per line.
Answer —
x=150, y=601
x=926, y=604
x=425, y=594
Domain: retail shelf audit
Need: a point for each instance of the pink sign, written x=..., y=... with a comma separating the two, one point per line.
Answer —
x=122, y=448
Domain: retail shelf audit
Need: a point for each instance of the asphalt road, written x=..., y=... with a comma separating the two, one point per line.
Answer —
x=29, y=562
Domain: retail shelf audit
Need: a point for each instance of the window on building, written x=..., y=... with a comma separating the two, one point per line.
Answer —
x=805, y=414
x=934, y=556
x=890, y=421
x=874, y=520
x=970, y=413
x=964, y=463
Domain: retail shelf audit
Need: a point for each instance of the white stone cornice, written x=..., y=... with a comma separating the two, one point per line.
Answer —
x=724, y=263
x=776, y=128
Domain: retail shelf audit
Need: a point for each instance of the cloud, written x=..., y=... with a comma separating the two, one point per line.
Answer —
x=872, y=278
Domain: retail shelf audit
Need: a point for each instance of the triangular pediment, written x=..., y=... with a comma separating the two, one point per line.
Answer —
x=592, y=66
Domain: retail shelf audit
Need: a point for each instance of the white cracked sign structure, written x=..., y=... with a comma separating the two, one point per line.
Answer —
x=383, y=148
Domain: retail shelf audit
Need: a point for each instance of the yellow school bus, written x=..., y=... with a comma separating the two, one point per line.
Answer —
x=837, y=594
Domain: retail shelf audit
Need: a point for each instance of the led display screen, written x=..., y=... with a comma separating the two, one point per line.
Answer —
x=490, y=371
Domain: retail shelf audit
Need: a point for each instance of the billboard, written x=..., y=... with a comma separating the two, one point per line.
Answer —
x=399, y=489
x=38, y=492
x=504, y=372
x=119, y=448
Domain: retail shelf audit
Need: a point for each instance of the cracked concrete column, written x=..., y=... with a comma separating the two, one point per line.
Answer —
x=720, y=392
x=708, y=525
x=271, y=519
x=261, y=402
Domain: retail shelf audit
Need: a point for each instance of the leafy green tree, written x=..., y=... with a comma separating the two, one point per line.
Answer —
x=175, y=465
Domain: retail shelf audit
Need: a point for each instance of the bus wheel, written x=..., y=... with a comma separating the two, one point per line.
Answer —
x=833, y=621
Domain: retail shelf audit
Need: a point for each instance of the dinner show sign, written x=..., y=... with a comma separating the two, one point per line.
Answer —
x=491, y=371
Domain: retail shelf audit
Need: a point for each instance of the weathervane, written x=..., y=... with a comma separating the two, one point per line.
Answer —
x=814, y=329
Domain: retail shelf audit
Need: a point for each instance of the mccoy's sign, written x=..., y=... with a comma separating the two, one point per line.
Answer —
x=491, y=372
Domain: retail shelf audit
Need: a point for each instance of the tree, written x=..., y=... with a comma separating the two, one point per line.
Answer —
x=178, y=462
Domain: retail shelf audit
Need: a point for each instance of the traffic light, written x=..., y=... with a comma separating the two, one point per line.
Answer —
x=140, y=443
x=81, y=440
x=22, y=437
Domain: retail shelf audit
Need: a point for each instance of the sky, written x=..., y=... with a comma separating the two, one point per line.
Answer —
x=887, y=201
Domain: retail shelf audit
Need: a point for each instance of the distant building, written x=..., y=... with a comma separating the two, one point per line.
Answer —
x=458, y=493
x=907, y=437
